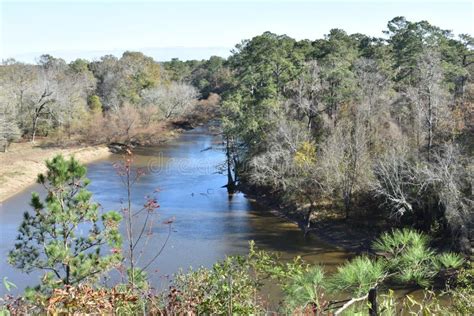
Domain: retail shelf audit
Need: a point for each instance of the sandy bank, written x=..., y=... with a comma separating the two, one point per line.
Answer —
x=20, y=166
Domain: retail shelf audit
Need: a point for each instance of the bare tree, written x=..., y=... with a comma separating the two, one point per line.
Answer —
x=397, y=181
x=173, y=100
x=40, y=108
x=374, y=97
x=139, y=225
x=9, y=130
x=16, y=81
x=429, y=101
x=346, y=161
x=452, y=178
x=290, y=165
x=72, y=91
x=38, y=98
x=428, y=188
x=124, y=123
x=274, y=167
x=306, y=96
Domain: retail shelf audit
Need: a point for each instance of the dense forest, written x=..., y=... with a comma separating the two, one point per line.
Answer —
x=344, y=127
x=382, y=125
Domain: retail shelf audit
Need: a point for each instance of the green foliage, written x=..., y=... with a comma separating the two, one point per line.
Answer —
x=414, y=266
x=211, y=76
x=65, y=235
x=95, y=105
x=229, y=287
x=351, y=109
x=408, y=256
x=410, y=260
x=122, y=81
x=79, y=65
x=448, y=260
x=178, y=70
x=408, y=40
x=356, y=95
x=389, y=304
x=305, y=289
x=263, y=67
x=358, y=275
x=395, y=242
x=463, y=294
x=232, y=286
x=140, y=278
x=268, y=62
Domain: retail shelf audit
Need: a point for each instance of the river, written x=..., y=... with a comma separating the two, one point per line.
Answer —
x=208, y=223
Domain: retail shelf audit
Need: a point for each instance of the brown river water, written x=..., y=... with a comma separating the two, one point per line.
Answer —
x=208, y=223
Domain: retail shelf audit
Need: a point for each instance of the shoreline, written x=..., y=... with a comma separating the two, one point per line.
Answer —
x=339, y=233
x=20, y=166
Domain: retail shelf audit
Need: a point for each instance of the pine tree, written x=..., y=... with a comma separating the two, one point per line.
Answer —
x=65, y=235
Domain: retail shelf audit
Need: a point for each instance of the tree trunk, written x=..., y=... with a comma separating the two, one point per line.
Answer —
x=430, y=127
x=230, y=179
x=347, y=204
x=35, y=123
x=308, y=218
x=373, y=309
x=68, y=272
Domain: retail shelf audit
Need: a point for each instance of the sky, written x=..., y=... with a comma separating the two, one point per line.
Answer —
x=197, y=29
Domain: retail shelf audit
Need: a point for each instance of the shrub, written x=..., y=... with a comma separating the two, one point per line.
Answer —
x=226, y=288
x=463, y=294
x=232, y=285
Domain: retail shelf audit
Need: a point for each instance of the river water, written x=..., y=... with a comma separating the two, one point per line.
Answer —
x=208, y=223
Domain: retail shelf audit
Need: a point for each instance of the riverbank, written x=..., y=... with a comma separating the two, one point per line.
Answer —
x=352, y=235
x=20, y=166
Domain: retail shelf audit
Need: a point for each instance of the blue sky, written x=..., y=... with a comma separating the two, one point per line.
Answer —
x=197, y=29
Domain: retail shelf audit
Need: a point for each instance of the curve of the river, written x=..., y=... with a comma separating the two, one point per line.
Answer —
x=208, y=223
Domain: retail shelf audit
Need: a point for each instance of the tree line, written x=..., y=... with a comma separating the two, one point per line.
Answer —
x=128, y=97
x=352, y=123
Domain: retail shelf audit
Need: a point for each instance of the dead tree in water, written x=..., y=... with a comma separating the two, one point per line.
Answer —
x=230, y=179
